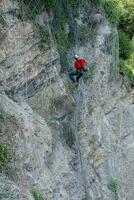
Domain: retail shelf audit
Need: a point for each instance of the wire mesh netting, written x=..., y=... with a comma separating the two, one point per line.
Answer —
x=60, y=27
x=20, y=31
x=22, y=13
x=22, y=34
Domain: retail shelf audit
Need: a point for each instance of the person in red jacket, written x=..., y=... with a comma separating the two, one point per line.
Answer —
x=80, y=68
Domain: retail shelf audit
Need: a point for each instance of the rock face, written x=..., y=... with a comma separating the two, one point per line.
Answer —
x=8, y=190
x=70, y=142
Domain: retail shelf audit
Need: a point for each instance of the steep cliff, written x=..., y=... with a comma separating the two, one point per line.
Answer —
x=69, y=143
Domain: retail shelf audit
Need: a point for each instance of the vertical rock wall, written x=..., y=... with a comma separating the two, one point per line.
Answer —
x=69, y=141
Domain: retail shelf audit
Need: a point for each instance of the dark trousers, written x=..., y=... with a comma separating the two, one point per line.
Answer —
x=78, y=73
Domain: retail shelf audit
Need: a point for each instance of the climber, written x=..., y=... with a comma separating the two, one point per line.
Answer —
x=80, y=68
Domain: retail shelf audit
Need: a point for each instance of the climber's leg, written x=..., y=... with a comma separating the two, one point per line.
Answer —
x=79, y=75
x=72, y=74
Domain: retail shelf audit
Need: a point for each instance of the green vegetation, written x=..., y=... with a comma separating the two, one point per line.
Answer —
x=121, y=13
x=32, y=8
x=63, y=45
x=127, y=17
x=50, y=3
x=64, y=21
x=114, y=186
x=73, y=2
x=54, y=4
x=110, y=7
x=6, y=155
x=59, y=24
x=45, y=41
x=126, y=46
x=128, y=68
x=37, y=194
x=7, y=152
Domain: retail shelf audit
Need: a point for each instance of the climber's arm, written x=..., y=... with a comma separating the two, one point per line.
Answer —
x=86, y=65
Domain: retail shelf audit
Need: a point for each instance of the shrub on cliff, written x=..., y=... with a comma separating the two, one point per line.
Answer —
x=121, y=13
x=126, y=46
x=37, y=194
x=6, y=155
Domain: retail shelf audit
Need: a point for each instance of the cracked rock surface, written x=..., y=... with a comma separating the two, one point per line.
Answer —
x=70, y=141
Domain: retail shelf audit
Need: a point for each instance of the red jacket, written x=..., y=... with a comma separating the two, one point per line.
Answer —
x=79, y=64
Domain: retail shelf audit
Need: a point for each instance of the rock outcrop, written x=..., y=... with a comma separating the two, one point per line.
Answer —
x=70, y=142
